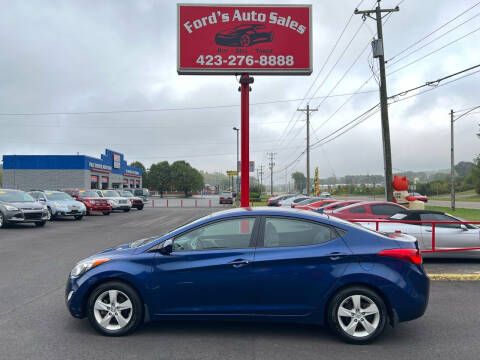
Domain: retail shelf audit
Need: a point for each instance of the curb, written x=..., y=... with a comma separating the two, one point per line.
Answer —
x=454, y=277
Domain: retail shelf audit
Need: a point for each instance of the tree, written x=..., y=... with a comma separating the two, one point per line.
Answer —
x=159, y=177
x=185, y=178
x=299, y=181
x=463, y=168
x=139, y=165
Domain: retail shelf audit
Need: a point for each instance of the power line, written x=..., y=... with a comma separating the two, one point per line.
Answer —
x=106, y=112
x=465, y=113
x=431, y=33
x=437, y=38
x=433, y=52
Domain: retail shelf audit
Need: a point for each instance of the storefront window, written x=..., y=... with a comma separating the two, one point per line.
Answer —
x=104, y=182
x=93, y=182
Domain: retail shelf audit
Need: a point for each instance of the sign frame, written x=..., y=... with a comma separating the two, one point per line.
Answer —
x=250, y=71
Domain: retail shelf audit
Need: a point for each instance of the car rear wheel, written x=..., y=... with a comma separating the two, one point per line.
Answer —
x=40, y=223
x=245, y=40
x=357, y=315
x=114, y=309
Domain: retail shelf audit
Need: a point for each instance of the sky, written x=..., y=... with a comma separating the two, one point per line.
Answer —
x=88, y=57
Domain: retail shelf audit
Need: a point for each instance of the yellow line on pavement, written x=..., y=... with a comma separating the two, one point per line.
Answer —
x=454, y=277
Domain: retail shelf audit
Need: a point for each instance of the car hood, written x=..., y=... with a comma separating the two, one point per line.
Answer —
x=26, y=205
x=67, y=202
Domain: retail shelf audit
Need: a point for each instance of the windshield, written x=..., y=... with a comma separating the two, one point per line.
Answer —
x=226, y=193
x=15, y=196
x=89, y=193
x=54, y=196
x=126, y=194
x=142, y=242
x=110, y=193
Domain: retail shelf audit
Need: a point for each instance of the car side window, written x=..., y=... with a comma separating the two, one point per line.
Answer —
x=224, y=234
x=358, y=209
x=439, y=217
x=282, y=232
x=385, y=209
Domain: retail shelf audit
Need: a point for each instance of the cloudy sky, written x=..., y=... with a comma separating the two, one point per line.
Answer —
x=105, y=56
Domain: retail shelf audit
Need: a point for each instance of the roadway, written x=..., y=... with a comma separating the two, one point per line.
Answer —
x=35, y=324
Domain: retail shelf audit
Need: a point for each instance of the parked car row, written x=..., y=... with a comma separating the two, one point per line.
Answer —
x=452, y=235
x=40, y=206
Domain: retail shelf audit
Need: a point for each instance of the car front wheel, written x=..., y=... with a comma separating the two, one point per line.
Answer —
x=357, y=315
x=114, y=309
x=78, y=217
x=40, y=223
x=3, y=223
x=106, y=213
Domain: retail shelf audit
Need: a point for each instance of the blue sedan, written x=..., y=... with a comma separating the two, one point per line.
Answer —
x=256, y=264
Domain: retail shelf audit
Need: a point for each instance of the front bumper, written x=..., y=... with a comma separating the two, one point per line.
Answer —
x=20, y=216
x=61, y=212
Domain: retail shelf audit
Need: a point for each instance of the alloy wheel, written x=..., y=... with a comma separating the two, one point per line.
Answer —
x=49, y=214
x=113, y=310
x=1, y=220
x=358, y=316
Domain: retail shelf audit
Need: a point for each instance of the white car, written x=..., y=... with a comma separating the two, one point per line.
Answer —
x=116, y=201
x=292, y=200
x=447, y=236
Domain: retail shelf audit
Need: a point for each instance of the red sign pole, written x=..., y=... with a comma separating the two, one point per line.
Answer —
x=245, y=82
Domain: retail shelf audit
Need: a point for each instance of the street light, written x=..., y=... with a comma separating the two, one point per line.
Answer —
x=238, y=185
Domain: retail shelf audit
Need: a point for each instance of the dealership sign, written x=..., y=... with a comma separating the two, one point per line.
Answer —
x=253, y=39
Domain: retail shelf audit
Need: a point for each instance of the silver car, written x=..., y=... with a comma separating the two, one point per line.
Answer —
x=116, y=201
x=447, y=236
x=17, y=207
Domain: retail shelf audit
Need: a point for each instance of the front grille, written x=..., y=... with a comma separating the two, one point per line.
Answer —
x=122, y=202
x=31, y=216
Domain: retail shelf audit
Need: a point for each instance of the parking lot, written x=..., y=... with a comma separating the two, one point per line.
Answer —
x=35, y=323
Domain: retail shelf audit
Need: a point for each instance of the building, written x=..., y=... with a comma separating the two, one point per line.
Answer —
x=28, y=172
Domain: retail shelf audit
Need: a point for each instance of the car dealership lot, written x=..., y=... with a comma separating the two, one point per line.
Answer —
x=35, y=323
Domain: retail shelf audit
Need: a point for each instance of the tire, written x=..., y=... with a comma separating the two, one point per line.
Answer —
x=245, y=40
x=106, y=213
x=78, y=217
x=127, y=296
x=140, y=208
x=352, y=328
x=126, y=210
x=3, y=223
x=40, y=224
x=50, y=216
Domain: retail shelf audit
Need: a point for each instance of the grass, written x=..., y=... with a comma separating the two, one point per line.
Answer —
x=467, y=214
x=472, y=198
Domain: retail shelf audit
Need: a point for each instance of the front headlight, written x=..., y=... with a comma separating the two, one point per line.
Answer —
x=83, y=266
x=11, y=208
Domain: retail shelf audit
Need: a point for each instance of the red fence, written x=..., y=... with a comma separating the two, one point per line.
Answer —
x=433, y=223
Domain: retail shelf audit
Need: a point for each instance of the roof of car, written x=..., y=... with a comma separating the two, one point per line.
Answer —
x=420, y=212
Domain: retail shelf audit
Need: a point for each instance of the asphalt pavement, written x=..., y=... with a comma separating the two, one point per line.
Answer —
x=35, y=324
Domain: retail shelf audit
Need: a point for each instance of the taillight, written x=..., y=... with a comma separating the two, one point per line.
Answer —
x=410, y=255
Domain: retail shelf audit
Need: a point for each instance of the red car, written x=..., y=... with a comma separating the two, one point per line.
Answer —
x=418, y=197
x=329, y=207
x=368, y=210
x=91, y=199
x=315, y=205
x=226, y=197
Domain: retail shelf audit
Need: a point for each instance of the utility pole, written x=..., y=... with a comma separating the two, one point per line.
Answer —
x=308, y=111
x=271, y=165
x=377, y=47
x=452, y=164
x=261, y=175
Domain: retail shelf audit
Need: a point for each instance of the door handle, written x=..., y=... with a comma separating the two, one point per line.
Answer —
x=239, y=262
x=428, y=230
x=336, y=255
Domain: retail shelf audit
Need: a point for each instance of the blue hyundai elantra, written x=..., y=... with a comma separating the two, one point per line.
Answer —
x=256, y=264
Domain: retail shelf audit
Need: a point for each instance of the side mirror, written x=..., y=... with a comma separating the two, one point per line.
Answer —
x=41, y=199
x=167, y=247
x=463, y=227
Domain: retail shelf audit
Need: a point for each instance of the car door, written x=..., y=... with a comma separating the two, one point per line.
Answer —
x=296, y=263
x=209, y=271
x=449, y=235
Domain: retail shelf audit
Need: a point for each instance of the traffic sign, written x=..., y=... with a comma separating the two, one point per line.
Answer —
x=232, y=172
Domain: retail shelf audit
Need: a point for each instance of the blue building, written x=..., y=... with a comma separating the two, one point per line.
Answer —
x=28, y=172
